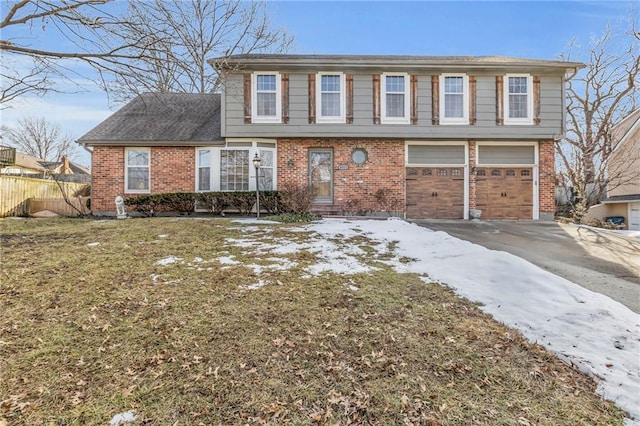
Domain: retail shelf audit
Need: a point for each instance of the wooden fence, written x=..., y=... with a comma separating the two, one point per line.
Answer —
x=16, y=192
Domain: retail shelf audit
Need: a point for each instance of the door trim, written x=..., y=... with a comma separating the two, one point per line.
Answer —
x=321, y=200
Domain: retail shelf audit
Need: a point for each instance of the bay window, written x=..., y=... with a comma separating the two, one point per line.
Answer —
x=229, y=168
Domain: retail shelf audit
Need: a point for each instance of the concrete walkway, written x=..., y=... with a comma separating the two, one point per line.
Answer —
x=599, y=260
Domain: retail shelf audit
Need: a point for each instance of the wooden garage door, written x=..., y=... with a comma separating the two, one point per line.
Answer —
x=505, y=193
x=435, y=192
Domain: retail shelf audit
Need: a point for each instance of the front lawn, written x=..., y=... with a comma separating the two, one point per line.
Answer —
x=188, y=321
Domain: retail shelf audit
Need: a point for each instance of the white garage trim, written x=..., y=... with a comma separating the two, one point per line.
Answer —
x=633, y=214
x=536, y=162
x=465, y=165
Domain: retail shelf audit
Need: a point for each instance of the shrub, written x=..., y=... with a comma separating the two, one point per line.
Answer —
x=215, y=202
x=388, y=200
x=146, y=205
x=352, y=206
x=242, y=201
x=296, y=198
x=181, y=202
x=269, y=201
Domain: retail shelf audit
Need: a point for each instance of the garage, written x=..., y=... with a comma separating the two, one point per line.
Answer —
x=634, y=216
x=505, y=181
x=505, y=193
x=435, y=181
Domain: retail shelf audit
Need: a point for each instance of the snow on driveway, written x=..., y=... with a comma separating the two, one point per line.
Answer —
x=590, y=331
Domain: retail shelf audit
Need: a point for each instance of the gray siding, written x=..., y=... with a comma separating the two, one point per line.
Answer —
x=551, y=114
x=494, y=154
x=435, y=154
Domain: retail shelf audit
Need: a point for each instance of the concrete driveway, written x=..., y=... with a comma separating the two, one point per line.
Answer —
x=599, y=260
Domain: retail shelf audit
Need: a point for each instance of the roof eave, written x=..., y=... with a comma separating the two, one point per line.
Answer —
x=149, y=143
x=404, y=64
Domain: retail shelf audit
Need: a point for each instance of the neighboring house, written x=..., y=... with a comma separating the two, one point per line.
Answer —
x=623, y=193
x=30, y=166
x=441, y=136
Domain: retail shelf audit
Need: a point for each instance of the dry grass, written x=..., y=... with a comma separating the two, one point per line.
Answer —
x=88, y=332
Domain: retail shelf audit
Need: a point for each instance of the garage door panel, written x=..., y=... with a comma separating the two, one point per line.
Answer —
x=505, y=193
x=435, y=193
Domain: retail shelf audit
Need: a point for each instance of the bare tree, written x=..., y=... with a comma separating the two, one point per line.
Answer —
x=192, y=31
x=599, y=96
x=40, y=138
x=97, y=38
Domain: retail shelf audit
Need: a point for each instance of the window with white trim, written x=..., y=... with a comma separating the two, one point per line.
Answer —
x=518, y=99
x=266, y=98
x=454, y=101
x=137, y=170
x=234, y=170
x=204, y=170
x=230, y=168
x=331, y=102
x=395, y=98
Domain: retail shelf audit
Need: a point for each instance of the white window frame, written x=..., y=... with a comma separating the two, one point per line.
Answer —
x=343, y=99
x=465, y=100
x=253, y=146
x=383, y=100
x=127, y=167
x=518, y=121
x=211, y=168
x=255, y=118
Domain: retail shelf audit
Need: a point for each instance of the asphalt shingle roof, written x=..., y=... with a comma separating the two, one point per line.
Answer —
x=161, y=117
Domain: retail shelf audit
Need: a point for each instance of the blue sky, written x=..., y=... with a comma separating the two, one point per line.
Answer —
x=534, y=29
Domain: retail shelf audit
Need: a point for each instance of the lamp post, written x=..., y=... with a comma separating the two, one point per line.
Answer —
x=256, y=164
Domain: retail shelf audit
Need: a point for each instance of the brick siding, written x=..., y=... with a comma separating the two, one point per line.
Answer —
x=354, y=185
x=172, y=170
x=547, y=178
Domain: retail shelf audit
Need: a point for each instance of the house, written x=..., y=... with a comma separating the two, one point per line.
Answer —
x=623, y=190
x=29, y=166
x=440, y=137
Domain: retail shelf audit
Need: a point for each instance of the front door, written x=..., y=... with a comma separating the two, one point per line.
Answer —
x=321, y=174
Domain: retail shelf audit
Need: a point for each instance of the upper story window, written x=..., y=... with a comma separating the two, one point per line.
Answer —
x=332, y=100
x=454, y=101
x=395, y=98
x=518, y=99
x=137, y=170
x=266, y=98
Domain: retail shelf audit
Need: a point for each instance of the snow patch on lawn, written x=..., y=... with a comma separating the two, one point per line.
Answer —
x=123, y=418
x=168, y=260
x=255, y=286
x=227, y=260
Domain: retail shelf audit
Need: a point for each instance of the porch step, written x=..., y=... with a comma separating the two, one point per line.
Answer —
x=326, y=210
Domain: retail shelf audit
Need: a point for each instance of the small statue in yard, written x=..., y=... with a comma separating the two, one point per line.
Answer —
x=121, y=212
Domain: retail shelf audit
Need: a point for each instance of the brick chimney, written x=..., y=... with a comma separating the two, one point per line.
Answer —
x=64, y=168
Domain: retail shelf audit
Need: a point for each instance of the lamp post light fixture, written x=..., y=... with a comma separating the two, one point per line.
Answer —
x=256, y=164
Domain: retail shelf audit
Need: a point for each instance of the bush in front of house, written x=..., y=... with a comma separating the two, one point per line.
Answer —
x=215, y=202
x=150, y=204
x=295, y=198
